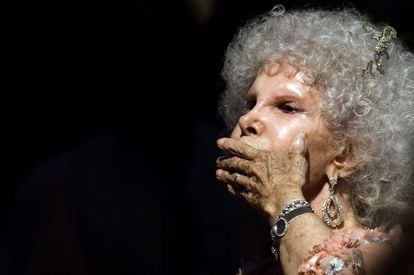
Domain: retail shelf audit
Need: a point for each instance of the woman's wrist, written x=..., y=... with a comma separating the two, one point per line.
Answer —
x=273, y=210
x=279, y=226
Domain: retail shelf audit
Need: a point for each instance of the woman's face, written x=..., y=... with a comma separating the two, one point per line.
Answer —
x=281, y=105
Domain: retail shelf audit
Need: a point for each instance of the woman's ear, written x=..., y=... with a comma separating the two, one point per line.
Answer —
x=342, y=165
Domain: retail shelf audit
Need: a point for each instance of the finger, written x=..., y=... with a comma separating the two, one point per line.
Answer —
x=225, y=156
x=237, y=148
x=230, y=189
x=240, y=190
x=248, y=196
x=237, y=181
x=235, y=164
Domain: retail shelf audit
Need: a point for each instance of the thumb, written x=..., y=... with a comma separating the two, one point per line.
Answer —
x=298, y=155
x=299, y=145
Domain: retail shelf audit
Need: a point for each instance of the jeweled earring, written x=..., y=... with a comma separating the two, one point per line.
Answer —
x=332, y=212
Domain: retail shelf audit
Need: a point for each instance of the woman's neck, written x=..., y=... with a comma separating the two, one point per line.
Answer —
x=343, y=194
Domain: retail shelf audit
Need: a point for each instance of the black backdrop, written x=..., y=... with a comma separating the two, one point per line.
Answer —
x=110, y=147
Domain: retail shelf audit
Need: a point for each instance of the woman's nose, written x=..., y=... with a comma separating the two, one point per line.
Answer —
x=251, y=123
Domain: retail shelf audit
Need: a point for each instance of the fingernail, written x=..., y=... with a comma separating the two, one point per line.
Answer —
x=299, y=138
x=221, y=143
x=300, y=141
x=304, y=138
x=225, y=156
x=219, y=159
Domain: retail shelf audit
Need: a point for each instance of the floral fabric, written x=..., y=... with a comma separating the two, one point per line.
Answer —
x=343, y=254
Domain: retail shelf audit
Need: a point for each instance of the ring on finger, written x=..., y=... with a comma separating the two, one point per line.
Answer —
x=235, y=176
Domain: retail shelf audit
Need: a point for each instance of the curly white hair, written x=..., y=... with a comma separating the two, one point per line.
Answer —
x=373, y=116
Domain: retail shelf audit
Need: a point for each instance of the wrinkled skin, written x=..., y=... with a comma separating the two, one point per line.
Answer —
x=281, y=149
x=259, y=173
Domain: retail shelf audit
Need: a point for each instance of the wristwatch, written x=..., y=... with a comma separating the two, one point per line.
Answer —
x=280, y=225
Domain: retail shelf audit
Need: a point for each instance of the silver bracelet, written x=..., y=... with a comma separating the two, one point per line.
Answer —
x=280, y=225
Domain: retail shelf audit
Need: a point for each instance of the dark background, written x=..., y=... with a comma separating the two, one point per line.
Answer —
x=110, y=141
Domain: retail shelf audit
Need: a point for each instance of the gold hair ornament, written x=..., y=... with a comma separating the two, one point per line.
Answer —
x=374, y=67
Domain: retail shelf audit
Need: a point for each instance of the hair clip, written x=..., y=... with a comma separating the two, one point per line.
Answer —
x=277, y=10
x=374, y=67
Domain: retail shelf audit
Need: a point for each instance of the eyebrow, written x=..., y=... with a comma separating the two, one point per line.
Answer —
x=291, y=98
x=285, y=93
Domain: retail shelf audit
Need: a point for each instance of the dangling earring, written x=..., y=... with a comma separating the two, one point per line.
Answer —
x=332, y=212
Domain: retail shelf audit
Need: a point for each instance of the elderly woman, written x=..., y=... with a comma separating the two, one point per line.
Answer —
x=322, y=109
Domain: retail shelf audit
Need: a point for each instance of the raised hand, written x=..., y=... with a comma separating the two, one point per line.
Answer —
x=266, y=180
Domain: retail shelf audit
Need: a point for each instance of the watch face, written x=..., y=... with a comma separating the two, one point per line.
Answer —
x=280, y=227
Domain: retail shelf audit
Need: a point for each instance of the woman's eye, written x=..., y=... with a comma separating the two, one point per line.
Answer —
x=289, y=107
